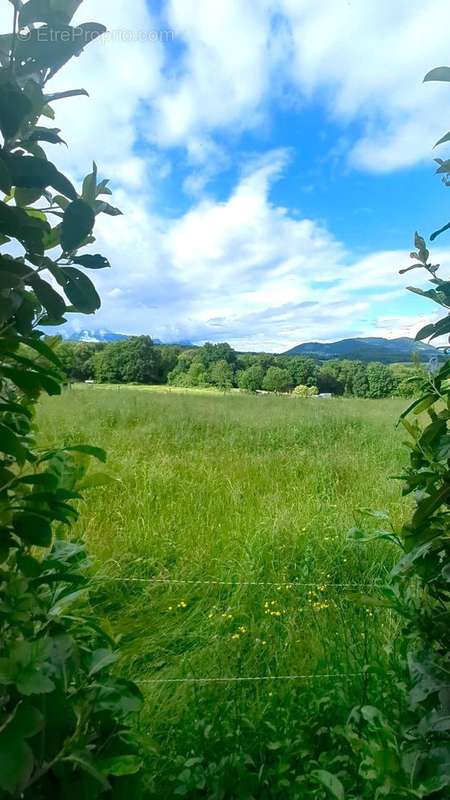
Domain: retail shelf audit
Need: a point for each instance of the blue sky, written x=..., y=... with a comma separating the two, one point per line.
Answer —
x=272, y=158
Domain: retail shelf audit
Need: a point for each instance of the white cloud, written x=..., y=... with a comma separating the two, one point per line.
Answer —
x=364, y=61
x=120, y=75
x=244, y=271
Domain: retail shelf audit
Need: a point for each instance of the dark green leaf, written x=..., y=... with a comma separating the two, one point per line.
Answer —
x=31, y=681
x=26, y=197
x=92, y=262
x=120, y=765
x=79, y=289
x=43, y=349
x=438, y=74
x=50, y=47
x=425, y=332
x=8, y=280
x=31, y=383
x=29, y=172
x=87, y=449
x=46, y=135
x=442, y=327
x=51, y=98
x=33, y=529
x=15, y=408
x=439, y=231
x=49, y=11
x=445, y=138
x=5, y=178
x=331, y=783
x=101, y=659
x=101, y=207
x=17, y=224
x=12, y=445
x=14, y=108
x=16, y=763
x=78, y=222
x=51, y=300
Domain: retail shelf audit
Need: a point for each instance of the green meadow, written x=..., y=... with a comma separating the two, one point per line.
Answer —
x=220, y=551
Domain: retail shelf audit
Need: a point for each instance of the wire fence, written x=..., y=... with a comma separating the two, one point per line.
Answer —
x=167, y=581
x=291, y=584
x=244, y=679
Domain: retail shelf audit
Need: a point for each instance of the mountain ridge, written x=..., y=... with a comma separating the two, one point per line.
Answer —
x=371, y=348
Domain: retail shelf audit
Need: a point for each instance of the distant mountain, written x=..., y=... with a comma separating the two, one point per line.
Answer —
x=388, y=351
x=93, y=336
x=104, y=337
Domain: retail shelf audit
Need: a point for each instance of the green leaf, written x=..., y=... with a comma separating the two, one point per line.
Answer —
x=43, y=349
x=14, y=108
x=96, y=480
x=445, y=138
x=102, y=188
x=9, y=281
x=12, y=445
x=52, y=238
x=26, y=197
x=331, y=783
x=425, y=332
x=441, y=327
x=437, y=233
x=5, y=178
x=15, y=408
x=51, y=98
x=79, y=289
x=92, y=262
x=100, y=660
x=61, y=201
x=77, y=225
x=120, y=766
x=33, y=529
x=101, y=207
x=120, y=697
x=29, y=172
x=50, y=135
x=89, y=192
x=31, y=383
x=31, y=681
x=50, y=47
x=16, y=763
x=438, y=74
x=51, y=300
x=87, y=449
x=49, y=11
x=85, y=762
x=17, y=224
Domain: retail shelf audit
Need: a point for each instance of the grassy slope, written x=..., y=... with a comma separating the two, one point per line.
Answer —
x=233, y=488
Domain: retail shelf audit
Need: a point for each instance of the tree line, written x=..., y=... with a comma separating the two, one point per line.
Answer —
x=138, y=360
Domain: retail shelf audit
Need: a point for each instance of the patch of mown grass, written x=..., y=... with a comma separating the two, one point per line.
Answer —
x=250, y=493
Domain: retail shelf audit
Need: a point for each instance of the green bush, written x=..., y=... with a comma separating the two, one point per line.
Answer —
x=409, y=755
x=64, y=718
x=305, y=391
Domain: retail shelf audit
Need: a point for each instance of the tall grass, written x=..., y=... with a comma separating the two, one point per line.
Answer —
x=248, y=494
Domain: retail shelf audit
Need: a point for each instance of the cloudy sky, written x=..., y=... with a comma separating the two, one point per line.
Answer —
x=272, y=159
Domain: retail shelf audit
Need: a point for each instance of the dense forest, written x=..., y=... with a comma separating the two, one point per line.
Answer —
x=138, y=360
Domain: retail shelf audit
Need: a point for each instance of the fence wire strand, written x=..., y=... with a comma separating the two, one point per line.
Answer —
x=314, y=676
x=292, y=584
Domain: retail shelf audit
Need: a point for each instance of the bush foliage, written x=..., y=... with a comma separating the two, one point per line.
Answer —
x=64, y=717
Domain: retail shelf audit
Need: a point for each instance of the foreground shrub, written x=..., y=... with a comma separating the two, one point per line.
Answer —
x=64, y=717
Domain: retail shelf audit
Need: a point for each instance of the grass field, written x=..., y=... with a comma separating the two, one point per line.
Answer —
x=237, y=496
